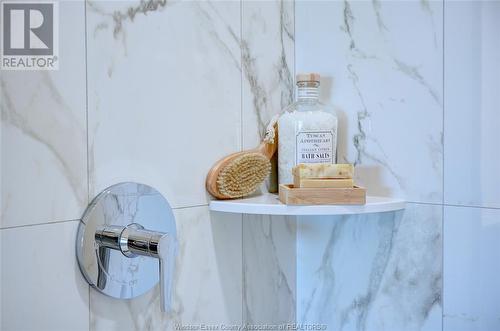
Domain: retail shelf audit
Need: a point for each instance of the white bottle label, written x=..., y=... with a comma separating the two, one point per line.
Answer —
x=315, y=146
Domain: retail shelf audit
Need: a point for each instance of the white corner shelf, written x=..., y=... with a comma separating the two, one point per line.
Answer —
x=269, y=204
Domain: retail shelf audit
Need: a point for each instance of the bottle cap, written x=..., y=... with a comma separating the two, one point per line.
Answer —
x=308, y=77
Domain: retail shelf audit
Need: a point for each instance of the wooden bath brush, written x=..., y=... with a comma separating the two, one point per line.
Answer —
x=240, y=174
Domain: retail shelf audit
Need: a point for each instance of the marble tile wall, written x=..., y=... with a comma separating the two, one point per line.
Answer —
x=382, y=71
x=176, y=94
x=364, y=272
x=268, y=62
x=155, y=92
x=415, y=85
x=42, y=287
x=269, y=269
x=382, y=67
x=471, y=268
x=471, y=178
x=44, y=157
x=44, y=187
x=472, y=118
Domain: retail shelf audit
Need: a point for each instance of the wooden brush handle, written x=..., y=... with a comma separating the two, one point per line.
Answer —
x=268, y=149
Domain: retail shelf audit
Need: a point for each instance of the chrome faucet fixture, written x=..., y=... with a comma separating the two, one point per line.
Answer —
x=116, y=253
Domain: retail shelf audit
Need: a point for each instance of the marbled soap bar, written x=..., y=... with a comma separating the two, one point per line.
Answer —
x=323, y=170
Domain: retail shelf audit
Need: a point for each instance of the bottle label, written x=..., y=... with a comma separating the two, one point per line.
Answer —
x=315, y=146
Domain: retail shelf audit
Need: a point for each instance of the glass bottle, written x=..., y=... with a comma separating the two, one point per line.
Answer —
x=307, y=129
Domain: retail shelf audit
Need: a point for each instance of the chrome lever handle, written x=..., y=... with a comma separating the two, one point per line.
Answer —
x=167, y=250
x=134, y=240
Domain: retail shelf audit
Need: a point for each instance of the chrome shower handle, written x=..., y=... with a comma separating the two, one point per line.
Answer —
x=134, y=240
x=167, y=250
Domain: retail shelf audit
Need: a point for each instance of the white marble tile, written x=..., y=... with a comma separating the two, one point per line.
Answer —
x=472, y=90
x=207, y=285
x=164, y=85
x=43, y=148
x=471, y=268
x=371, y=272
x=42, y=287
x=267, y=53
x=381, y=63
x=268, y=64
x=269, y=269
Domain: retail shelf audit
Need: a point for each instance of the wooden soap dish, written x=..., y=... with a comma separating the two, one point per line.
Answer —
x=290, y=195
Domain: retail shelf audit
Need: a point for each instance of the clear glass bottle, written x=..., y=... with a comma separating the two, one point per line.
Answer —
x=307, y=129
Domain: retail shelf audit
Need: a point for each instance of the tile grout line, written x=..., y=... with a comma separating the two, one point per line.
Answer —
x=191, y=206
x=296, y=308
x=452, y=205
x=87, y=100
x=241, y=75
x=78, y=220
x=241, y=148
x=38, y=224
x=87, y=131
x=443, y=167
x=243, y=292
x=294, y=47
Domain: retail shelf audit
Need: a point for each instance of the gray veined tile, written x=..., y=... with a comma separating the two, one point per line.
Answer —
x=267, y=52
x=268, y=63
x=43, y=129
x=382, y=68
x=269, y=269
x=371, y=272
x=162, y=109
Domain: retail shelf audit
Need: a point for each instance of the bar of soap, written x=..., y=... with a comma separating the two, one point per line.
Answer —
x=322, y=183
x=323, y=170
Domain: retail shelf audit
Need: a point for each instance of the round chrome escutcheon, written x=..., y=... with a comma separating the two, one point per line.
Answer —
x=109, y=271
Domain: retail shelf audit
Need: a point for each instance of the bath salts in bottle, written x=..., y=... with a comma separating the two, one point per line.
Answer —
x=307, y=130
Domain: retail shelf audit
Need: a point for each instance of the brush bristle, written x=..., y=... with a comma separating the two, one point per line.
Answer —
x=243, y=175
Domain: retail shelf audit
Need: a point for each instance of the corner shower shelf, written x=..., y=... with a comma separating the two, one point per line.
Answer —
x=269, y=204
